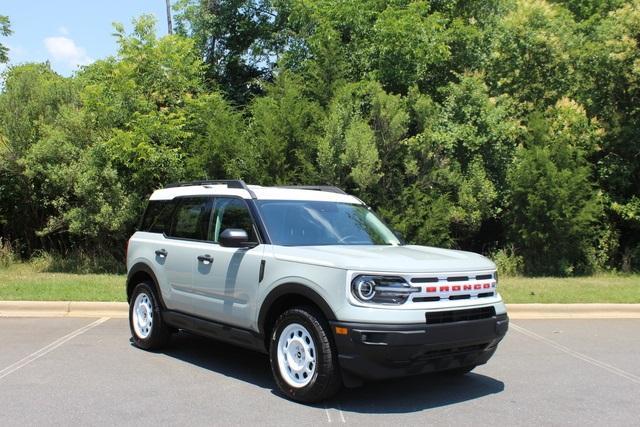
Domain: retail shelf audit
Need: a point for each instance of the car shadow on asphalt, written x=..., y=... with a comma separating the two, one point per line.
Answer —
x=413, y=394
x=402, y=395
x=226, y=359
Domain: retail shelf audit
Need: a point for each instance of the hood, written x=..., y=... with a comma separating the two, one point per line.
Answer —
x=398, y=259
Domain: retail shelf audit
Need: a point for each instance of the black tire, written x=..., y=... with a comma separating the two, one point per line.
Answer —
x=159, y=333
x=326, y=380
x=463, y=370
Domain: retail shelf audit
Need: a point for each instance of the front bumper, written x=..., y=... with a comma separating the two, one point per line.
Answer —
x=378, y=351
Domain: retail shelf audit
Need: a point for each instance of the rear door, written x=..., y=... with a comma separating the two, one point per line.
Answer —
x=230, y=282
x=185, y=248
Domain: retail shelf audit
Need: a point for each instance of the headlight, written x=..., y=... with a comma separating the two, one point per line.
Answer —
x=381, y=289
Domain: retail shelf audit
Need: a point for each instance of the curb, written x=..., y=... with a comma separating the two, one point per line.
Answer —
x=573, y=311
x=63, y=309
x=121, y=310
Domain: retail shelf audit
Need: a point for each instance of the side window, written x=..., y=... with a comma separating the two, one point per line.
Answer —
x=191, y=219
x=157, y=217
x=231, y=213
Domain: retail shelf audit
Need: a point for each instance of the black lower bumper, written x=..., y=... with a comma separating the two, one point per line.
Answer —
x=377, y=351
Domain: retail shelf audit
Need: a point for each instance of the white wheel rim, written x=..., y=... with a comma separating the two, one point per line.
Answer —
x=142, y=315
x=296, y=355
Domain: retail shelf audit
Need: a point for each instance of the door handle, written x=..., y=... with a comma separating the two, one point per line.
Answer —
x=162, y=253
x=205, y=259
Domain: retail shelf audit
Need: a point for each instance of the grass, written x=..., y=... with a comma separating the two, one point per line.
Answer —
x=21, y=282
x=24, y=282
x=602, y=288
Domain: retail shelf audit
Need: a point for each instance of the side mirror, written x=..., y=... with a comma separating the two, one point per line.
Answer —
x=235, y=238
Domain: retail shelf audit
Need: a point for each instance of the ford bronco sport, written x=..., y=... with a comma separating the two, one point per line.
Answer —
x=312, y=277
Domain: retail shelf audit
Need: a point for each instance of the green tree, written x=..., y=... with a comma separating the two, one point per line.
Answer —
x=364, y=126
x=553, y=205
x=585, y=9
x=33, y=101
x=535, y=54
x=395, y=43
x=5, y=30
x=238, y=39
x=610, y=88
x=464, y=149
x=421, y=217
x=283, y=132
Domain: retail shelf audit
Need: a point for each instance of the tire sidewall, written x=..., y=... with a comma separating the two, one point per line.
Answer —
x=157, y=332
x=318, y=383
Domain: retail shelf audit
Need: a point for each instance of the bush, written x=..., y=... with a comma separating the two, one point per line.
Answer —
x=7, y=254
x=554, y=206
x=509, y=264
x=77, y=261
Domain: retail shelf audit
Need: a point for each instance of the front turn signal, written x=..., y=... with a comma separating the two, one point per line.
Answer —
x=341, y=331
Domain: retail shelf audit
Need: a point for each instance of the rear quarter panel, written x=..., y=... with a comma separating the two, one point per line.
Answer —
x=140, y=247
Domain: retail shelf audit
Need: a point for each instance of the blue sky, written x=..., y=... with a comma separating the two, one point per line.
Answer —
x=69, y=33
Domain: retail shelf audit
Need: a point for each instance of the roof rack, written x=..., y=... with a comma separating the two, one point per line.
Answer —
x=327, y=188
x=230, y=183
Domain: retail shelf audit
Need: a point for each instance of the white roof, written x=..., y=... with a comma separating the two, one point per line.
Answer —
x=262, y=193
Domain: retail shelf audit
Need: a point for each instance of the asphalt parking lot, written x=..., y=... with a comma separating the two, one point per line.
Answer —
x=84, y=371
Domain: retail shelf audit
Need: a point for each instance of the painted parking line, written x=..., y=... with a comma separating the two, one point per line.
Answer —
x=340, y=413
x=47, y=349
x=610, y=368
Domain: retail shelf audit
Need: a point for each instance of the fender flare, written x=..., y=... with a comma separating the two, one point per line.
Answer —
x=295, y=289
x=142, y=267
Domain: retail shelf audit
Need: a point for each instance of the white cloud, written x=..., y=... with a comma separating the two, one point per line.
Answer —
x=63, y=49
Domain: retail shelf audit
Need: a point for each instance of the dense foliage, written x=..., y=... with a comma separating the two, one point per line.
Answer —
x=506, y=127
x=5, y=30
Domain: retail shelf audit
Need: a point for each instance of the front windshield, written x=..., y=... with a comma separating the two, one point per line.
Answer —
x=312, y=223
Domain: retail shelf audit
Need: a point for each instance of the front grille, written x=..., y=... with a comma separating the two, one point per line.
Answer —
x=449, y=352
x=424, y=280
x=438, y=287
x=453, y=316
x=484, y=295
x=426, y=299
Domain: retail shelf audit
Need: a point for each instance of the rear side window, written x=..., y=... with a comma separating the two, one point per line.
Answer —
x=191, y=219
x=157, y=217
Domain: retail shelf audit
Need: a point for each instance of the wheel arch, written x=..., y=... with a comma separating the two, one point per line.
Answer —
x=285, y=296
x=141, y=272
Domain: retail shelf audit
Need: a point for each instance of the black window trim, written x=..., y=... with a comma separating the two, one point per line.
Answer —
x=250, y=208
x=177, y=201
x=146, y=210
x=248, y=204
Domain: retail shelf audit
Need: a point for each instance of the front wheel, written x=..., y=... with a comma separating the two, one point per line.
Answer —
x=303, y=358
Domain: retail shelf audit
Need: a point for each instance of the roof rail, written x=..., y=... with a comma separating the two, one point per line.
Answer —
x=328, y=188
x=230, y=183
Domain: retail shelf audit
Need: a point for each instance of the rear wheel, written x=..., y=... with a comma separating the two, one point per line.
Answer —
x=303, y=358
x=145, y=318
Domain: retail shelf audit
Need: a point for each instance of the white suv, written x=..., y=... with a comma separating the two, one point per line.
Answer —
x=311, y=276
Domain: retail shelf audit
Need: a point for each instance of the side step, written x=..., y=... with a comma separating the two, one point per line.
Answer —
x=210, y=329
